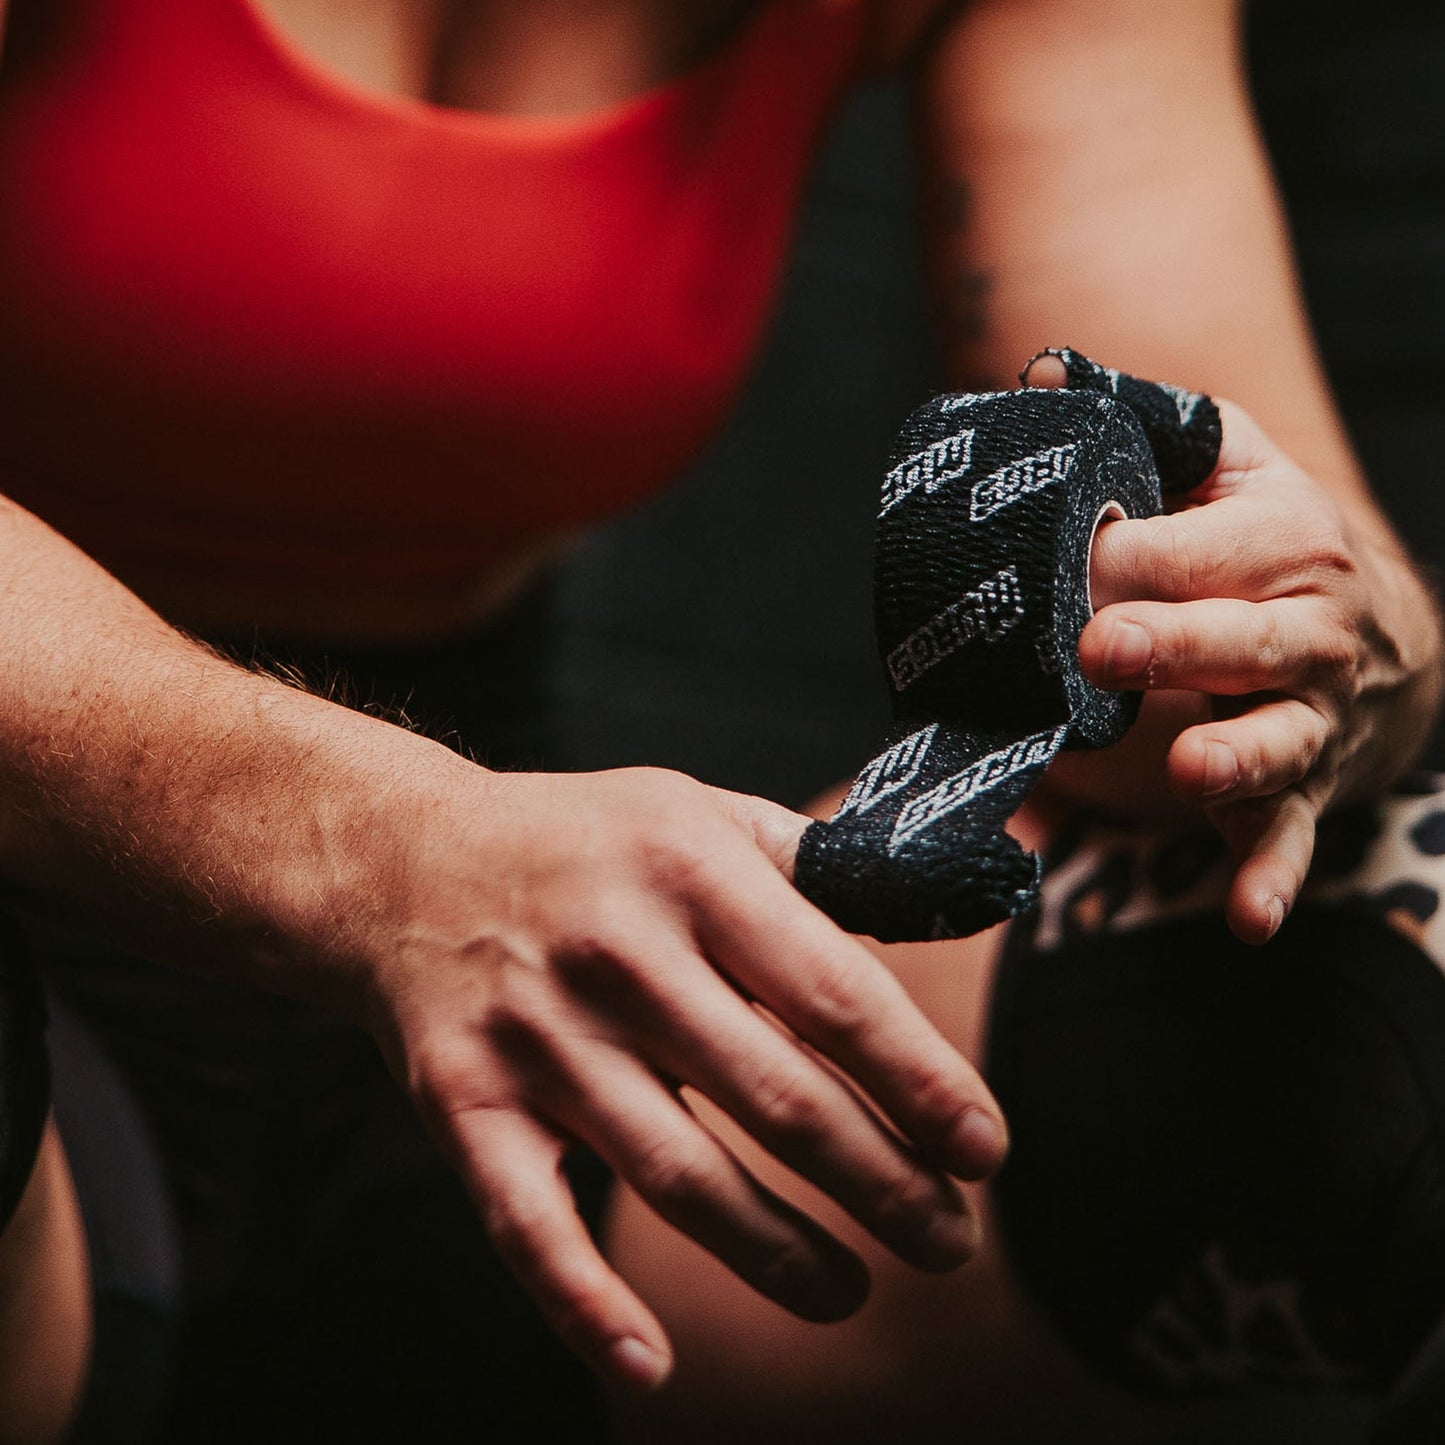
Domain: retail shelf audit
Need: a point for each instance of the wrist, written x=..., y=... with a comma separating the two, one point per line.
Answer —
x=1410, y=614
x=212, y=817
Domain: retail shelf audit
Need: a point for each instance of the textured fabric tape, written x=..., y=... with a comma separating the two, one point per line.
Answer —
x=981, y=588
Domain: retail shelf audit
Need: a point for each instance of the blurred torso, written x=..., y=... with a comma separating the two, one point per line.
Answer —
x=335, y=317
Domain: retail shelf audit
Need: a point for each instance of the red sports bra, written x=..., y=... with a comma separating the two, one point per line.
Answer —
x=257, y=322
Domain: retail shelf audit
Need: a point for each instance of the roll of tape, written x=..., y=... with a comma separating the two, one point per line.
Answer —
x=981, y=588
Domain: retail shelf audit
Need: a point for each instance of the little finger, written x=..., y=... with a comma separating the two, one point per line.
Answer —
x=806, y=1117
x=687, y=1022
x=689, y=1178
x=830, y=991
x=511, y=1165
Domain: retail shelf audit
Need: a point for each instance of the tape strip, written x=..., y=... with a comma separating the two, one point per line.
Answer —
x=980, y=593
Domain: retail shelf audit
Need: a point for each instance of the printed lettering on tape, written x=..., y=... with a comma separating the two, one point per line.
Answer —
x=991, y=609
x=978, y=778
x=943, y=461
x=889, y=772
x=1019, y=479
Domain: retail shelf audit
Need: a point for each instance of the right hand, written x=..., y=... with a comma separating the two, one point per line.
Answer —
x=559, y=955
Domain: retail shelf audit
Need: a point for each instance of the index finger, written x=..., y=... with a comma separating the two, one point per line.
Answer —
x=836, y=996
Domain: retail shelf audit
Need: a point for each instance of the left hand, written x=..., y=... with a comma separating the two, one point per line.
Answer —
x=1311, y=645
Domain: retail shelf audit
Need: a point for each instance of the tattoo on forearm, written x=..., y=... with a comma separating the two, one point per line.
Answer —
x=968, y=303
x=965, y=290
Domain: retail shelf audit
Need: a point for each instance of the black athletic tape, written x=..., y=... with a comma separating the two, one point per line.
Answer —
x=1182, y=427
x=980, y=592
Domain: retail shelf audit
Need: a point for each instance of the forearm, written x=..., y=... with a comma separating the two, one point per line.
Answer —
x=149, y=781
x=1097, y=181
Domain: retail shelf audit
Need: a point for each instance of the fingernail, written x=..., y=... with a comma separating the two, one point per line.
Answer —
x=980, y=1142
x=1131, y=651
x=952, y=1238
x=637, y=1364
x=1221, y=768
x=1277, y=911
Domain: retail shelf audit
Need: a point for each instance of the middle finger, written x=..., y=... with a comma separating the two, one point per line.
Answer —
x=691, y=1026
x=800, y=1111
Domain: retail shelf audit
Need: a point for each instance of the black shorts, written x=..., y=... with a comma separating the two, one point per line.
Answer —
x=1228, y=1167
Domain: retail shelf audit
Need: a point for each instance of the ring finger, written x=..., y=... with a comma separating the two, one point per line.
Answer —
x=1269, y=747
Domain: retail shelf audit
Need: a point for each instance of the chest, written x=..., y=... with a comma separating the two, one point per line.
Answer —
x=542, y=57
x=224, y=256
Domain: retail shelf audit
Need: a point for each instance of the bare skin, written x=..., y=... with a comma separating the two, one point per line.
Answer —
x=44, y=1306
x=928, y=1360
x=924, y=1355
x=558, y=57
x=542, y=958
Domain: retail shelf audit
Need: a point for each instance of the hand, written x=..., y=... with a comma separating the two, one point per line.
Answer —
x=1306, y=630
x=564, y=953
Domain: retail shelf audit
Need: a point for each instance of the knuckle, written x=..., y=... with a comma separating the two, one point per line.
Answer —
x=1297, y=760
x=836, y=1001
x=676, y=854
x=939, y=1098
x=675, y=1177
x=443, y=1080
x=1273, y=762
x=907, y=1200
x=1313, y=738
x=1335, y=649
x=1272, y=646
x=789, y=1106
x=1325, y=549
x=659, y=795
x=516, y=1225
x=1182, y=565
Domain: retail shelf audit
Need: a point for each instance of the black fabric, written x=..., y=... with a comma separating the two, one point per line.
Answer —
x=24, y=1069
x=337, y=1283
x=1228, y=1164
x=980, y=593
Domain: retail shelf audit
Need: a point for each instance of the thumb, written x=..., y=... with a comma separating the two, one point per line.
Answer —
x=774, y=828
